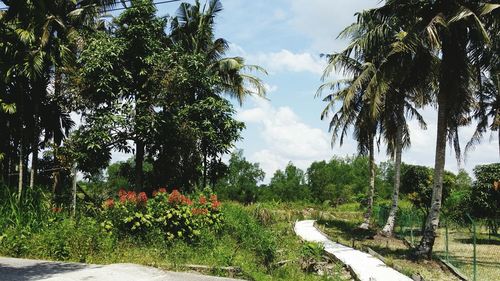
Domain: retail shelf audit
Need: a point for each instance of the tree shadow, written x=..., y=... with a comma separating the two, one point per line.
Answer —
x=480, y=241
x=348, y=230
x=32, y=272
x=391, y=252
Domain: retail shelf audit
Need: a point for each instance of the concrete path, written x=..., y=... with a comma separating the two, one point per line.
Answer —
x=30, y=270
x=365, y=266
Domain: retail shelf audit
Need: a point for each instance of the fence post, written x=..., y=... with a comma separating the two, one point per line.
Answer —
x=474, y=246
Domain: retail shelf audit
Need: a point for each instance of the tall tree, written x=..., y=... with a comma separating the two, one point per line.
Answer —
x=455, y=30
x=42, y=33
x=354, y=110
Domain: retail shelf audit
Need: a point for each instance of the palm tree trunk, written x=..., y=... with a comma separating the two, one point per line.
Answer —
x=432, y=222
x=34, y=162
x=55, y=174
x=371, y=191
x=139, y=161
x=39, y=91
x=389, y=226
x=21, y=171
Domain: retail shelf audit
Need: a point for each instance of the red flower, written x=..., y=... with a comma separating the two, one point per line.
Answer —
x=110, y=203
x=143, y=198
x=123, y=198
x=56, y=209
x=122, y=192
x=175, y=197
x=132, y=196
x=155, y=192
x=213, y=198
x=162, y=190
x=215, y=204
x=185, y=200
x=203, y=200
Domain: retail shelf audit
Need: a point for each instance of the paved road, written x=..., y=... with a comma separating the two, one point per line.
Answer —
x=365, y=266
x=30, y=270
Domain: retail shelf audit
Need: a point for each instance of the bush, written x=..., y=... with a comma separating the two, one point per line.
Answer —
x=248, y=232
x=310, y=254
x=175, y=215
x=61, y=239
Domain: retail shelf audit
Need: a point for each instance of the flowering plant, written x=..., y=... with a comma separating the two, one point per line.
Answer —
x=174, y=214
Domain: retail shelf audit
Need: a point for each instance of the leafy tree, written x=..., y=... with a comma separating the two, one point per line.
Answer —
x=485, y=194
x=240, y=182
x=417, y=185
x=119, y=105
x=289, y=185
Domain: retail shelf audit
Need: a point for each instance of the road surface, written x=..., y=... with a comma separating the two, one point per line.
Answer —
x=12, y=269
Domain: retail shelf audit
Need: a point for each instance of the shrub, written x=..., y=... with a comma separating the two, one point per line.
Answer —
x=310, y=254
x=248, y=232
x=174, y=214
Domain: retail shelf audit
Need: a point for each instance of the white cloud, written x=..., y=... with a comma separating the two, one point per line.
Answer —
x=286, y=137
x=285, y=60
x=270, y=88
x=282, y=61
x=323, y=20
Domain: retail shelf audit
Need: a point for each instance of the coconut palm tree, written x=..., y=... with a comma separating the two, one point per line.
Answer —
x=390, y=89
x=352, y=105
x=487, y=109
x=454, y=30
x=193, y=31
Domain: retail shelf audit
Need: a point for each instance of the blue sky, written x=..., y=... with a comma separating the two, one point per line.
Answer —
x=286, y=37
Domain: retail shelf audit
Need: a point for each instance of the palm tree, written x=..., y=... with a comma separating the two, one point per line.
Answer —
x=355, y=110
x=386, y=85
x=487, y=109
x=193, y=31
x=455, y=30
x=43, y=31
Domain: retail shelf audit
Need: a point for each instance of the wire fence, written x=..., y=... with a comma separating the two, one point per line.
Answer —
x=471, y=247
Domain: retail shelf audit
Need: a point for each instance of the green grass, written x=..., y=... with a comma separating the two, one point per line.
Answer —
x=254, y=238
x=461, y=252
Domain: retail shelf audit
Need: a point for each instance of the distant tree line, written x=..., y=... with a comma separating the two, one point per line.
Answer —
x=346, y=180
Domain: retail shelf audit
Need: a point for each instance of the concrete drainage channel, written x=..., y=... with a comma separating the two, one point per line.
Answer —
x=363, y=266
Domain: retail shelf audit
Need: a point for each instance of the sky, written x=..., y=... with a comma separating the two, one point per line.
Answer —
x=287, y=37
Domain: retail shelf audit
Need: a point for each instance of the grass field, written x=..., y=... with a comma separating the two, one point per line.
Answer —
x=460, y=250
x=341, y=227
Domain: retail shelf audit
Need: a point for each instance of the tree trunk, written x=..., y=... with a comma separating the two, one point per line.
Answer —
x=39, y=92
x=21, y=171
x=389, y=226
x=432, y=222
x=56, y=174
x=371, y=191
x=204, y=170
x=139, y=161
x=73, y=190
x=34, y=161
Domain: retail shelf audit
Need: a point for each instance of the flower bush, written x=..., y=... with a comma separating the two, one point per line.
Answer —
x=174, y=214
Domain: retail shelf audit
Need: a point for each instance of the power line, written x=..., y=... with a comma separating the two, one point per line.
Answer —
x=121, y=8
